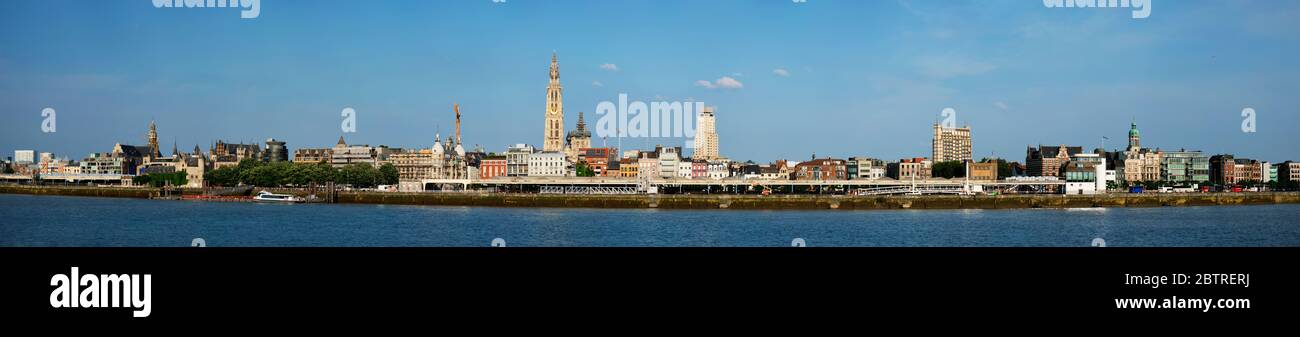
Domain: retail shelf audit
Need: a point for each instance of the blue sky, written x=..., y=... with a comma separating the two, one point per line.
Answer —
x=861, y=78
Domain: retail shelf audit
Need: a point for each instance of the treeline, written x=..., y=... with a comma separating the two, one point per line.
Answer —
x=287, y=174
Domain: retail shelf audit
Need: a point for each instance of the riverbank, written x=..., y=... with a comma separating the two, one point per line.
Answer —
x=718, y=201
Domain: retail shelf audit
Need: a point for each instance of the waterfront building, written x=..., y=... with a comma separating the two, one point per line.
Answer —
x=699, y=169
x=492, y=167
x=649, y=165
x=1288, y=171
x=553, y=141
x=909, y=169
x=628, y=167
x=222, y=154
x=276, y=151
x=987, y=171
x=1249, y=170
x=194, y=164
x=820, y=169
x=343, y=154
x=107, y=163
x=718, y=169
x=706, y=136
x=669, y=157
x=134, y=156
x=413, y=167
x=548, y=164
x=1223, y=169
x=312, y=155
x=1185, y=167
x=23, y=157
x=1046, y=161
x=517, y=160
x=1085, y=174
x=1140, y=164
x=601, y=160
x=864, y=168
x=450, y=160
x=951, y=144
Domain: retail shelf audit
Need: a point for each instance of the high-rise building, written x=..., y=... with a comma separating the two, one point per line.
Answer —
x=553, y=141
x=24, y=156
x=951, y=144
x=706, y=136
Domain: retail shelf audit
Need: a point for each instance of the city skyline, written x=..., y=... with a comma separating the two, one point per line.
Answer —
x=879, y=95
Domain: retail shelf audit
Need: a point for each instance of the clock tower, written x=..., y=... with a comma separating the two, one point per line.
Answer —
x=554, y=138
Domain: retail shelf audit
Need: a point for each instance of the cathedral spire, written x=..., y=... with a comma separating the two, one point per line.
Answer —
x=153, y=140
x=553, y=138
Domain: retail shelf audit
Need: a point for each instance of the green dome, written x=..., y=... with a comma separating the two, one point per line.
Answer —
x=1133, y=131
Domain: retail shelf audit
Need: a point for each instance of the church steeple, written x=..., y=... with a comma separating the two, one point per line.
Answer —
x=553, y=139
x=153, y=140
x=1134, y=138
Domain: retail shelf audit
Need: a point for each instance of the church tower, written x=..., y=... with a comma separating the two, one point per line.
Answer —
x=153, y=142
x=554, y=138
x=1134, y=139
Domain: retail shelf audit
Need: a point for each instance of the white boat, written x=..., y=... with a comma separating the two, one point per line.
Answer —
x=265, y=196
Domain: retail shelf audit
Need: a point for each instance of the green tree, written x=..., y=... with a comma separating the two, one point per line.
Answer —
x=263, y=175
x=161, y=179
x=8, y=169
x=948, y=169
x=582, y=170
x=388, y=174
x=359, y=175
x=225, y=176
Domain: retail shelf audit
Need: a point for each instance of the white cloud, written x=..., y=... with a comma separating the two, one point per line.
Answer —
x=726, y=82
x=597, y=84
x=609, y=66
x=1001, y=105
x=781, y=72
